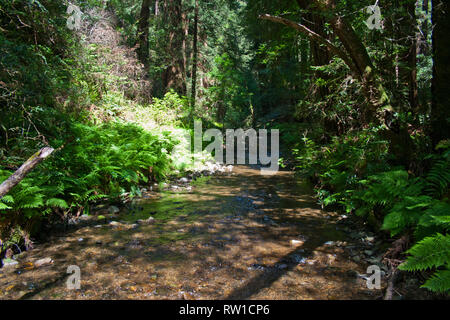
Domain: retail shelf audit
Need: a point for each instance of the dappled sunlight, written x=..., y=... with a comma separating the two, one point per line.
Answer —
x=232, y=237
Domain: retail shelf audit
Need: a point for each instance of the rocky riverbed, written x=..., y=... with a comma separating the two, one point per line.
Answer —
x=227, y=233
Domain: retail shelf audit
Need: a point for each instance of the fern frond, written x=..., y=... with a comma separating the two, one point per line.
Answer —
x=57, y=203
x=439, y=281
x=438, y=178
x=429, y=253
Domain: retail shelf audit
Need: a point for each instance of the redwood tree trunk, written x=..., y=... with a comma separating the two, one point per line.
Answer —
x=174, y=74
x=194, y=57
x=440, y=110
x=143, y=28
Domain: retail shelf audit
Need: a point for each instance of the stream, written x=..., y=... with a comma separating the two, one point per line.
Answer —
x=240, y=235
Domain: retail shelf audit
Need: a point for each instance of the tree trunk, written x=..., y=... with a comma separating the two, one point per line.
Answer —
x=156, y=8
x=174, y=74
x=194, y=58
x=143, y=32
x=440, y=110
x=185, y=22
x=22, y=172
x=356, y=58
x=405, y=35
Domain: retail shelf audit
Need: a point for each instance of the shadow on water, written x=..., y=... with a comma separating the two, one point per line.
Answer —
x=241, y=236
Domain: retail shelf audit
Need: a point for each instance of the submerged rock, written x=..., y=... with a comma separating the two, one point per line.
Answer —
x=85, y=217
x=9, y=263
x=296, y=242
x=113, y=210
x=43, y=262
x=150, y=220
x=299, y=259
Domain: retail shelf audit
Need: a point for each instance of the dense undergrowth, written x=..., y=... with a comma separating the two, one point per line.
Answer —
x=64, y=90
x=356, y=174
x=114, y=124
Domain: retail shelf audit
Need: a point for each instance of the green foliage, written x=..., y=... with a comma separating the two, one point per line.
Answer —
x=438, y=178
x=353, y=172
x=338, y=167
x=431, y=253
x=102, y=162
x=229, y=94
x=171, y=109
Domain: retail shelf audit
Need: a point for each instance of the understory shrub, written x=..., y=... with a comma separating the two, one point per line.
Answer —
x=353, y=173
x=105, y=161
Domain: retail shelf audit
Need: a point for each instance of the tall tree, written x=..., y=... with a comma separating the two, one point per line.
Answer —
x=143, y=32
x=173, y=76
x=353, y=53
x=440, y=111
x=194, y=56
x=320, y=54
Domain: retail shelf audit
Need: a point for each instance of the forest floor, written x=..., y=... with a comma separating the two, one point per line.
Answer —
x=239, y=235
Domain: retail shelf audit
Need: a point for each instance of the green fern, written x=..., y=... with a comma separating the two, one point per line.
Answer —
x=430, y=253
x=438, y=179
x=57, y=203
x=439, y=281
x=406, y=214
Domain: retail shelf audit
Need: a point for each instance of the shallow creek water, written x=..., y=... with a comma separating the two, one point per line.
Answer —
x=230, y=237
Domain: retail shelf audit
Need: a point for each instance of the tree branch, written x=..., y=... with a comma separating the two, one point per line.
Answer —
x=313, y=36
x=22, y=172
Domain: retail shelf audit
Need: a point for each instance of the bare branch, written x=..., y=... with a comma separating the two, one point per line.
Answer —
x=22, y=172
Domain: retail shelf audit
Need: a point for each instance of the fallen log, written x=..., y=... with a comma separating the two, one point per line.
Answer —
x=23, y=171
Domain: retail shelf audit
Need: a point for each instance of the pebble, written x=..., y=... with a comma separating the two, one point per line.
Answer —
x=147, y=221
x=299, y=259
x=43, y=262
x=296, y=242
x=9, y=262
x=373, y=261
x=113, y=210
x=256, y=266
x=85, y=217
